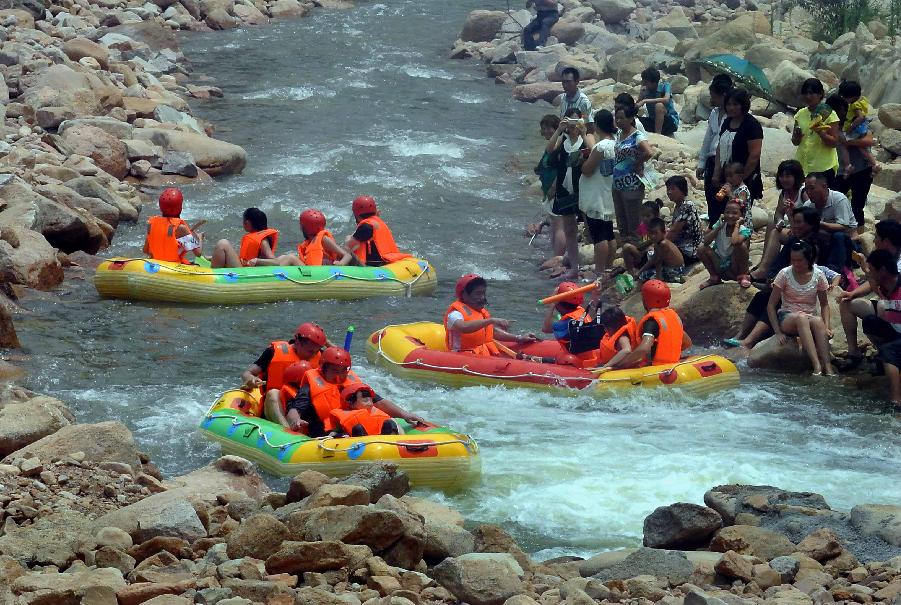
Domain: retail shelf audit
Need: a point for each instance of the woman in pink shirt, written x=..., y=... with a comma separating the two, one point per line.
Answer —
x=800, y=286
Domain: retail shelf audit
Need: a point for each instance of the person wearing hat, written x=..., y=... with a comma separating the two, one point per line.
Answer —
x=169, y=238
x=358, y=416
x=372, y=243
x=468, y=325
x=268, y=370
x=320, y=394
x=661, y=335
x=276, y=400
x=569, y=309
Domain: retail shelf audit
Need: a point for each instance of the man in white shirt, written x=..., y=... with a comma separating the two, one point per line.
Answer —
x=719, y=86
x=836, y=219
x=572, y=96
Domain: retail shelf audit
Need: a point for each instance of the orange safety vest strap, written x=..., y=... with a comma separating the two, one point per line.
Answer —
x=669, y=341
x=285, y=394
x=161, y=239
x=480, y=342
x=326, y=396
x=252, y=242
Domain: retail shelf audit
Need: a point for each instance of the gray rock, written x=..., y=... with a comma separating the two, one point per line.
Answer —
x=117, y=128
x=178, y=162
x=882, y=521
x=699, y=597
x=891, y=140
x=729, y=500
x=482, y=25
x=177, y=519
x=787, y=567
x=480, y=578
x=649, y=561
x=22, y=423
x=380, y=479
x=51, y=540
x=682, y=525
x=613, y=11
x=165, y=113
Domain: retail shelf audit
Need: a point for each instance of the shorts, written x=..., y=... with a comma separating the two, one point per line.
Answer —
x=724, y=264
x=599, y=229
x=878, y=328
x=673, y=275
x=669, y=125
x=565, y=205
x=890, y=353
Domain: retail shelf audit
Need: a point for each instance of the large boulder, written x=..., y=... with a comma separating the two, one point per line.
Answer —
x=166, y=514
x=777, y=147
x=23, y=423
x=613, y=11
x=649, y=561
x=108, y=152
x=677, y=24
x=225, y=475
x=94, y=188
x=890, y=115
x=35, y=8
x=299, y=557
x=213, y=156
x=380, y=479
x=27, y=258
x=101, y=442
x=63, y=87
x=878, y=520
x=682, y=525
x=568, y=31
x=378, y=529
x=786, y=80
x=480, y=578
x=79, y=48
x=117, y=128
x=733, y=499
x=85, y=586
x=539, y=91
x=751, y=540
x=768, y=55
x=482, y=25
x=632, y=60
x=52, y=540
x=65, y=219
x=257, y=537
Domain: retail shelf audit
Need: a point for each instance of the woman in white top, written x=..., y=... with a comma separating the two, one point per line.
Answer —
x=800, y=286
x=596, y=190
x=790, y=181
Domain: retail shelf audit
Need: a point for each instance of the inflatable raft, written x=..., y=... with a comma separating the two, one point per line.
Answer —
x=147, y=279
x=417, y=351
x=432, y=456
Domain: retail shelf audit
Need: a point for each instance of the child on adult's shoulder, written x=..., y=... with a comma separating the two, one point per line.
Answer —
x=666, y=263
x=725, y=249
x=635, y=255
x=856, y=122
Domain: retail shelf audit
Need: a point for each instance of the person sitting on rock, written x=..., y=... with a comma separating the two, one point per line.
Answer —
x=569, y=309
x=267, y=372
x=805, y=226
x=665, y=260
x=372, y=243
x=358, y=416
x=657, y=98
x=258, y=243
x=536, y=32
x=854, y=305
x=836, y=219
x=620, y=337
x=317, y=248
x=320, y=394
x=469, y=327
x=661, y=337
x=726, y=248
x=169, y=238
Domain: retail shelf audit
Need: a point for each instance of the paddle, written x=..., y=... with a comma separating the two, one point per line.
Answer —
x=348, y=338
x=599, y=371
x=558, y=297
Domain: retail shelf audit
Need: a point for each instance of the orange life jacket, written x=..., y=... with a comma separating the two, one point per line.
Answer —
x=326, y=396
x=251, y=243
x=608, y=342
x=284, y=356
x=312, y=252
x=669, y=341
x=480, y=342
x=371, y=419
x=383, y=241
x=161, y=239
x=285, y=394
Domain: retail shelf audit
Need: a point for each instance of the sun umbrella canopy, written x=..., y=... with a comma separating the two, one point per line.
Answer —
x=743, y=73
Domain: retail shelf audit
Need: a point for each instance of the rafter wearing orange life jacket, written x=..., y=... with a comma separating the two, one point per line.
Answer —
x=608, y=348
x=252, y=242
x=371, y=419
x=383, y=241
x=326, y=396
x=480, y=342
x=312, y=252
x=161, y=239
x=668, y=347
x=283, y=356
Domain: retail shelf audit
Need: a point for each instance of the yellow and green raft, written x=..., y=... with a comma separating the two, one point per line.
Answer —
x=153, y=280
x=431, y=456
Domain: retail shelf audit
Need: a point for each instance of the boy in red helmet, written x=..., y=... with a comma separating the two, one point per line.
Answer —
x=168, y=237
x=569, y=309
x=259, y=242
x=661, y=335
x=267, y=372
x=469, y=326
x=320, y=393
x=358, y=416
x=317, y=248
x=372, y=243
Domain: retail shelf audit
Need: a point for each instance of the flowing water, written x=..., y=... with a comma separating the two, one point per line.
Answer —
x=365, y=101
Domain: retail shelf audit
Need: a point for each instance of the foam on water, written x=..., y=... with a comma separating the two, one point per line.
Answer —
x=290, y=93
x=415, y=71
x=406, y=146
x=469, y=99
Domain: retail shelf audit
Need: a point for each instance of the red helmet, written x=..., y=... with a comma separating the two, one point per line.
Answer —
x=312, y=221
x=350, y=391
x=655, y=294
x=568, y=286
x=335, y=356
x=465, y=281
x=364, y=204
x=294, y=372
x=311, y=331
x=171, y=201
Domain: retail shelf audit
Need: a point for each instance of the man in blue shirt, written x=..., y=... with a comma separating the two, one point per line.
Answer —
x=657, y=97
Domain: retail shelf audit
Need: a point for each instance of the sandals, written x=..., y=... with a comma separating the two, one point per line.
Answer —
x=744, y=281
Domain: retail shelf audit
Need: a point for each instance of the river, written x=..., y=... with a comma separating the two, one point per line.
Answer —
x=365, y=101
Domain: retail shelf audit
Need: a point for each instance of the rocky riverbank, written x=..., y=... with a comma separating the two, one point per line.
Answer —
x=87, y=519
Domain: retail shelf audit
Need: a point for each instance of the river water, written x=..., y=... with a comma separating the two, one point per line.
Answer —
x=365, y=101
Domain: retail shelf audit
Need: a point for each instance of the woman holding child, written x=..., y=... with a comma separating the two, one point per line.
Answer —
x=741, y=139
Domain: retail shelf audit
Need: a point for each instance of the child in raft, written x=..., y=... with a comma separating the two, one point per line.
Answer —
x=620, y=337
x=358, y=417
x=726, y=247
x=169, y=238
x=569, y=309
x=665, y=260
x=317, y=248
x=258, y=243
x=635, y=255
x=735, y=190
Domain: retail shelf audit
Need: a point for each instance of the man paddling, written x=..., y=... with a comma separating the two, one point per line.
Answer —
x=268, y=370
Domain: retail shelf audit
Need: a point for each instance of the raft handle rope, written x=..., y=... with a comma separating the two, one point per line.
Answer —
x=469, y=444
x=562, y=379
x=408, y=285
